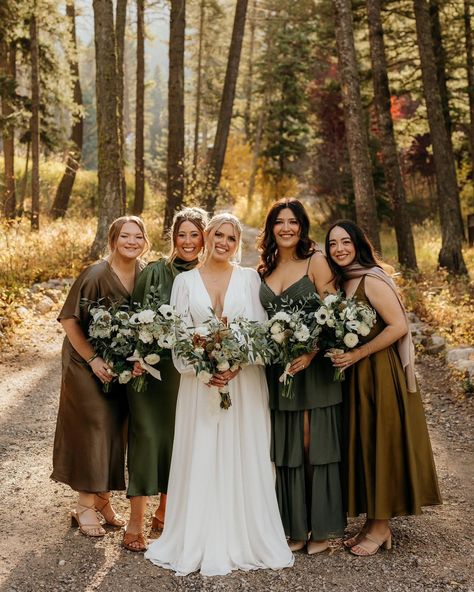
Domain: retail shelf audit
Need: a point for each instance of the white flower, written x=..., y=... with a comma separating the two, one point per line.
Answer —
x=202, y=331
x=350, y=313
x=223, y=366
x=166, y=311
x=322, y=315
x=146, y=316
x=364, y=329
x=330, y=322
x=100, y=314
x=353, y=325
x=167, y=341
x=134, y=319
x=152, y=359
x=302, y=334
x=145, y=336
x=125, y=332
x=276, y=328
x=281, y=316
x=199, y=351
x=330, y=299
x=279, y=337
x=122, y=315
x=204, y=376
x=351, y=339
x=125, y=377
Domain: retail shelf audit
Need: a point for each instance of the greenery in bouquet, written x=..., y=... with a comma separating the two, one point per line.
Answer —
x=340, y=323
x=291, y=332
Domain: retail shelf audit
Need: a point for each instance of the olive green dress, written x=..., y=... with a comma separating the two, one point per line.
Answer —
x=388, y=466
x=90, y=439
x=152, y=410
x=315, y=504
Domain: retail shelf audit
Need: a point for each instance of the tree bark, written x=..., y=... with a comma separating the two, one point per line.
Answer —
x=450, y=255
x=175, y=158
x=120, y=25
x=401, y=219
x=140, y=113
x=470, y=73
x=197, y=121
x=109, y=169
x=357, y=136
x=24, y=185
x=63, y=193
x=34, y=125
x=227, y=103
x=8, y=70
x=249, y=79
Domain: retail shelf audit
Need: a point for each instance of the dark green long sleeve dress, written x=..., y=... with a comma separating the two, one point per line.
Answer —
x=152, y=411
x=315, y=505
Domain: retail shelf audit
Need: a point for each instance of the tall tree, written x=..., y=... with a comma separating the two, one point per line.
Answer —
x=120, y=25
x=197, y=120
x=64, y=190
x=357, y=137
x=401, y=219
x=227, y=103
x=140, y=113
x=175, y=159
x=249, y=74
x=470, y=73
x=8, y=75
x=450, y=255
x=34, y=125
x=109, y=169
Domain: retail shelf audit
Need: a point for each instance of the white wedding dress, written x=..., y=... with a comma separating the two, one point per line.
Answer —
x=222, y=512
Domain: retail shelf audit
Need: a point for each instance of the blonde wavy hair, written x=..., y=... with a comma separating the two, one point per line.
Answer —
x=214, y=224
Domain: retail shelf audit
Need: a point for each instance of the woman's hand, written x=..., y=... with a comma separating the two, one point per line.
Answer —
x=301, y=362
x=101, y=369
x=347, y=358
x=137, y=369
x=222, y=378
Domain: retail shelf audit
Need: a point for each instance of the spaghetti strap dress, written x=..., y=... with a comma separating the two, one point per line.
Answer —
x=388, y=466
x=315, y=504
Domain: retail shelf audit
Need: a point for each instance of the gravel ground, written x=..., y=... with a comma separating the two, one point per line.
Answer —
x=39, y=551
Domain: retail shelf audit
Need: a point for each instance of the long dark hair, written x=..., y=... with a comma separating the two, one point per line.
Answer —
x=266, y=241
x=365, y=253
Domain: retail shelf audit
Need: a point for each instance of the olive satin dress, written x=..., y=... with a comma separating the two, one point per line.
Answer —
x=90, y=439
x=315, y=505
x=152, y=410
x=389, y=467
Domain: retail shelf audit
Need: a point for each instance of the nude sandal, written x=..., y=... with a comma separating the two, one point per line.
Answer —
x=116, y=519
x=84, y=527
x=362, y=551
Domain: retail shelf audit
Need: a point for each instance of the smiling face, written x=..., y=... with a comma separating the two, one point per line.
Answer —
x=341, y=248
x=223, y=242
x=286, y=229
x=130, y=242
x=188, y=241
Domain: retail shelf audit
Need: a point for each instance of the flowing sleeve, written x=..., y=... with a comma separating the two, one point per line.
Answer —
x=180, y=300
x=85, y=289
x=255, y=310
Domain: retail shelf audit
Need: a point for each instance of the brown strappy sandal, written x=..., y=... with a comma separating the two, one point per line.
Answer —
x=157, y=524
x=130, y=538
x=110, y=516
x=88, y=529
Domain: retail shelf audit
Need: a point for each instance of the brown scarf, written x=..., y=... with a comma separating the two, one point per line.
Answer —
x=405, y=345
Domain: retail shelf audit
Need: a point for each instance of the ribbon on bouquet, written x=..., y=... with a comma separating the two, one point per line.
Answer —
x=153, y=371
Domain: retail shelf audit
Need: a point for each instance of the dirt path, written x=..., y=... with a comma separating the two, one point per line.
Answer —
x=39, y=551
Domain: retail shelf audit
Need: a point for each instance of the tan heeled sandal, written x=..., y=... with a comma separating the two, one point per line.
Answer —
x=91, y=529
x=362, y=551
x=130, y=538
x=356, y=539
x=110, y=516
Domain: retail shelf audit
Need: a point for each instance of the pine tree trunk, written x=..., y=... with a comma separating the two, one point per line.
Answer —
x=63, y=193
x=470, y=73
x=120, y=25
x=450, y=255
x=140, y=113
x=175, y=159
x=197, y=120
x=227, y=103
x=8, y=70
x=249, y=79
x=24, y=185
x=109, y=169
x=34, y=125
x=401, y=220
x=357, y=137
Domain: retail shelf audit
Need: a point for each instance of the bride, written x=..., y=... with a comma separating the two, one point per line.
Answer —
x=223, y=513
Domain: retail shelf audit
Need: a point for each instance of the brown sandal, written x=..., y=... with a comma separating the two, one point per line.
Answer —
x=90, y=529
x=130, y=538
x=110, y=516
x=157, y=524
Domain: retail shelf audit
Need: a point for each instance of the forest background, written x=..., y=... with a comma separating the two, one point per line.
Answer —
x=362, y=109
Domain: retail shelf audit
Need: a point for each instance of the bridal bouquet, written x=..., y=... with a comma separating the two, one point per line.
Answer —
x=291, y=333
x=218, y=346
x=340, y=322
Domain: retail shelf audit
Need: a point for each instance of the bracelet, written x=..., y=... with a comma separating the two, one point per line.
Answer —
x=92, y=358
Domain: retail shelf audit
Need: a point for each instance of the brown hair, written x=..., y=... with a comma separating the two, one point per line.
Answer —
x=196, y=216
x=116, y=227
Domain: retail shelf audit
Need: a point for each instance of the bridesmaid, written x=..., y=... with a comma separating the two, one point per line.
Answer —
x=152, y=411
x=305, y=429
x=389, y=466
x=89, y=445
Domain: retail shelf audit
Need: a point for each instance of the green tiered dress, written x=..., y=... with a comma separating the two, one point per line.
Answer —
x=388, y=462
x=314, y=506
x=152, y=411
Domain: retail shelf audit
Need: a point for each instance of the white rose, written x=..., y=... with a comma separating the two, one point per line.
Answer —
x=152, y=359
x=145, y=336
x=223, y=366
x=351, y=339
x=302, y=334
x=281, y=316
x=204, y=376
x=146, y=316
x=125, y=377
x=364, y=329
x=279, y=337
x=166, y=311
x=322, y=315
x=275, y=328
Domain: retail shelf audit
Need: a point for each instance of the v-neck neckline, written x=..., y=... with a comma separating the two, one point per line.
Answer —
x=287, y=288
x=226, y=290
x=117, y=278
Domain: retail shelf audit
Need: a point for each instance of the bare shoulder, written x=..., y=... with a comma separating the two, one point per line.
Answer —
x=319, y=261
